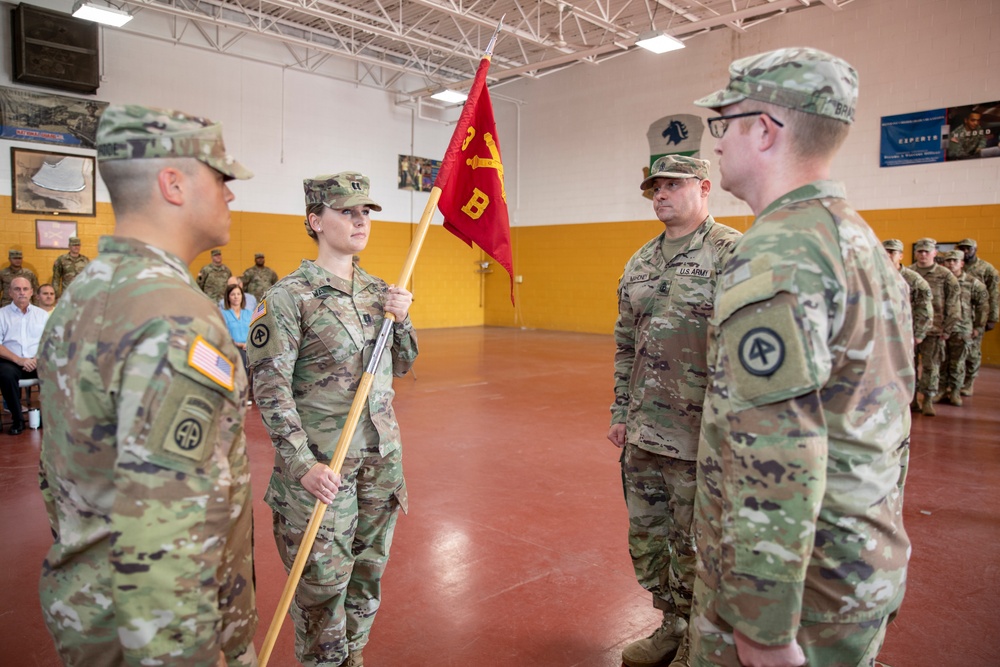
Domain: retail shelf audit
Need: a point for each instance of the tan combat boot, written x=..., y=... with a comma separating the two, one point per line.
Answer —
x=682, y=659
x=657, y=648
x=927, y=407
x=915, y=404
x=354, y=659
x=955, y=398
x=966, y=390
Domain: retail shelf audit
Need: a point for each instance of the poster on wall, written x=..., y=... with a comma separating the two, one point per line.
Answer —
x=52, y=183
x=417, y=173
x=49, y=119
x=941, y=135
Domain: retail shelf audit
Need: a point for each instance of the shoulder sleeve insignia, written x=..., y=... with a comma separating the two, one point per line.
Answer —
x=761, y=351
x=260, y=312
x=211, y=363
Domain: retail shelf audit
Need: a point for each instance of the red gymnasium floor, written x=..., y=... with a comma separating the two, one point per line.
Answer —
x=514, y=552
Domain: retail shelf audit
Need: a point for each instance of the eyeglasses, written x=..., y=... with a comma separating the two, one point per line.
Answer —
x=719, y=124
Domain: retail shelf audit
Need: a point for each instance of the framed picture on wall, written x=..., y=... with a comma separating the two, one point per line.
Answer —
x=54, y=234
x=52, y=183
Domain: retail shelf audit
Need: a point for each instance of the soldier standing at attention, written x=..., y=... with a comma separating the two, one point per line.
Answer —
x=665, y=299
x=15, y=270
x=802, y=553
x=947, y=309
x=258, y=278
x=68, y=266
x=309, y=343
x=144, y=468
x=212, y=277
x=985, y=272
x=921, y=299
x=974, y=304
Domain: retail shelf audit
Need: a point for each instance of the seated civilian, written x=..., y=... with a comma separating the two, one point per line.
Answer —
x=47, y=297
x=237, y=317
x=21, y=326
x=251, y=303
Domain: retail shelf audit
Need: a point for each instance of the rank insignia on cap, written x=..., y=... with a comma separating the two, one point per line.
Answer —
x=260, y=312
x=356, y=185
x=762, y=351
x=211, y=363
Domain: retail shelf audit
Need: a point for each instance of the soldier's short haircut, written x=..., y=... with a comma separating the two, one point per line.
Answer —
x=132, y=183
x=313, y=209
x=813, y=136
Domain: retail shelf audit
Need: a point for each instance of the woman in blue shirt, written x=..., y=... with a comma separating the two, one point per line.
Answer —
x=237, y=318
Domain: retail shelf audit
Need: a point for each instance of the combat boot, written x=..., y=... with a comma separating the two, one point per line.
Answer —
x=682, y=659
x=955, y=397
x=657, y=648
x=966, y=390
x=915, y=404
x=354, y=659
x=940, y=396
x=927, y=407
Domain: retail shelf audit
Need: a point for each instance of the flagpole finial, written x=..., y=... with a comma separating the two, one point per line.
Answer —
x=493, y=39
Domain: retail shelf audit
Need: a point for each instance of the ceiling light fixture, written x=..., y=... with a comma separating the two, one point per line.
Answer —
x=658, y=42
x=449, y=96
x=107, y=15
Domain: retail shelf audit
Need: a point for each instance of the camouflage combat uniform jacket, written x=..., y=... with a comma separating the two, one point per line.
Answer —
x=144, y=469
x=921, y=302
x=964, y=143
x=946, y=293
x=309, y=343
x=65, y=269
x=212, y=280
x=7, y=275
x=798, y=509
x=258, y=279
x=988, y=275
x=974, y=307
x=662, y=338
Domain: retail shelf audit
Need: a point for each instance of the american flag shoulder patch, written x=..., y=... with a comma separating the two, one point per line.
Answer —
x=260, y=312
x=204, y=358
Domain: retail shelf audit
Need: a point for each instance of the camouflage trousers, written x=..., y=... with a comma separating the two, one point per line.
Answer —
x=341, y=587
x=930, y=356
x=659, y=494
x=972, y=361
x=956, y=355
x=825, y=644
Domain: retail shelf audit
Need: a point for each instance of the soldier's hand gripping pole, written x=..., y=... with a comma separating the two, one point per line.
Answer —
x=346, y=435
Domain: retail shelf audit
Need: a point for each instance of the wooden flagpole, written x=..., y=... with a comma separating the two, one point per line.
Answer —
x=353, y=416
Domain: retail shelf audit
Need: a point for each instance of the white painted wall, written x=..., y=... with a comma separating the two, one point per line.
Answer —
x=583, y=130
x=575, y=150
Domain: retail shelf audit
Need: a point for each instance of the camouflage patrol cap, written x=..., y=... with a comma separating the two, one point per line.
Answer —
x=342, y=190
x=676, y=166
x=952, y=254
x=14, y=254
x=132, y=132
x=966, y=242
x=893, y=244
x=216, y=252
x=805, y=79
x=925, y=243
x=74, y=240
x=258, y=255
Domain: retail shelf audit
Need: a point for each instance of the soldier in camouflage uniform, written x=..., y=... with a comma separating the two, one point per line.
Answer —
x=801, y=549
x=974, y=307
x=983, y=271
x=212, y=277
x=310, y=341
x=947, y=310
x=921, y=299
x=968, y=140
x=665, y=298
x=68, y=266
x=258, y=278
x=144, y=469
x=15, y=270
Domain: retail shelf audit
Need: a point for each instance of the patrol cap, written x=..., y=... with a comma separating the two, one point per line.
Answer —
x=74, y=240
x=893, y=244
x=966, y=242
x=925, y=243
x=952, y=254
x=800, y=78
x=676, y=166
x=14, y=254
x=133, y=132
x=258, y=255
x=343, y=190
x=215, y=252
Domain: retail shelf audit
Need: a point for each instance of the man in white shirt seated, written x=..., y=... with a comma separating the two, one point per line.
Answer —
x=21, y=326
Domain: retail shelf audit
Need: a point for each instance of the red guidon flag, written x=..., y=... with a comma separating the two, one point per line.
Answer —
x=473, y=198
